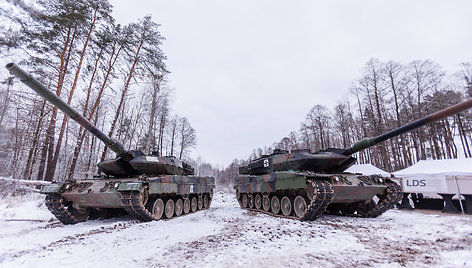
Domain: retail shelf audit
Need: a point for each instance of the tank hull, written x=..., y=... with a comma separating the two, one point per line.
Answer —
x=146, y=198
x=340, y=193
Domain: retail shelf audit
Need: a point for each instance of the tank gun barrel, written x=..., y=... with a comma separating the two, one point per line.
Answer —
x=47, y=94
x=368, y=142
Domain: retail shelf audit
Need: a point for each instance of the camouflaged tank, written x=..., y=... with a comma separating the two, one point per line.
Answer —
x=147, y=187
x=303, y=185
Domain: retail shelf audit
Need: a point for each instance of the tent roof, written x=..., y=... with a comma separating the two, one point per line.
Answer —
x=442, y=167
x=367, y=169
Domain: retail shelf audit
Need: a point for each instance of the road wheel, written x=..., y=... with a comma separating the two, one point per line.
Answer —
x=238, y=197
x=205, y=201
x=275, y=204
x=244, y=201
x=186, y=205
x=179, y=207
x=170, y=208
x=310, y=190
x=193, y=204
x=299, y=206
x=251, y=201
x=286, y=206
x=258, y=201
x=158, y=209
x=200, y=202
x=266, y=203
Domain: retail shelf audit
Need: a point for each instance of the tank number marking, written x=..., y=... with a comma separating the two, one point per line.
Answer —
x=191, y=188
x=266, y=162
x=152, y=159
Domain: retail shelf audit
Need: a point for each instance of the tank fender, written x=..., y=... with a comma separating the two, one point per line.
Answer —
x=52, y=189
x=130, y=186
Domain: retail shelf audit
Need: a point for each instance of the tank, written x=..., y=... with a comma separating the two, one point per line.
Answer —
x=303, y=185
x=147, y=187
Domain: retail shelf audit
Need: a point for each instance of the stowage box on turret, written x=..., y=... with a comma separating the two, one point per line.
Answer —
x=303, y=185
x=147, y=187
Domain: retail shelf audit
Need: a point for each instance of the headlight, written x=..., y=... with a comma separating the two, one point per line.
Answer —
x=117, y=184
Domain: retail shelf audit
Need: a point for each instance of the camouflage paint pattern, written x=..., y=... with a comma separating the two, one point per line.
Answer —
x=298, y=160
x=101, y=193
x=142, y=164
x=348, y=187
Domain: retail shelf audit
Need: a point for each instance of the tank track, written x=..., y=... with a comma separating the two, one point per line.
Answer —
x=387, y=200
x=67, y=215
x=392, y=196
x=322, y=197
x=132, y=203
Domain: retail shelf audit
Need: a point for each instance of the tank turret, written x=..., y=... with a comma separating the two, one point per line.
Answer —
x=334, y=160
x=128, y=162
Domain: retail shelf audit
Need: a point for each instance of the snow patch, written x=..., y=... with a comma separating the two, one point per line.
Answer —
x=227, y=236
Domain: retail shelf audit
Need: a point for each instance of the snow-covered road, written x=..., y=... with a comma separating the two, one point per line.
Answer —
x=226, y=236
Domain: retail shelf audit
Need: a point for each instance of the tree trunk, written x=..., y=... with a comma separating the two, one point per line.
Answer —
x=111, y=64
x=71, y=94
x=6, y=102
x=156, y=88
x=123, y=94
x=30, y=162
x=173, y=137
x=50, y=133
x=465, y=143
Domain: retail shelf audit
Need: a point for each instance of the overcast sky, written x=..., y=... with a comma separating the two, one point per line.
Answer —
x=245, y=73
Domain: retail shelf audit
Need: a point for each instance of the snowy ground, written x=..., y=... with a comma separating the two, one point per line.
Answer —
x=226, y=236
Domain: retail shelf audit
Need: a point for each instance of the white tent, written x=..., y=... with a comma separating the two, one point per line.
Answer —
x=367, y=169
x=447, y=176
x=438, y=176
x=444, y=167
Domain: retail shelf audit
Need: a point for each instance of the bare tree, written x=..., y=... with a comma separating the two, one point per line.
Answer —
x=141, y=34
x=317, y=121
x=188, y=138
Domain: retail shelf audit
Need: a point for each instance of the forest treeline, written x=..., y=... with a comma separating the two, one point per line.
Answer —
x=386, y=95
x=113, y=74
